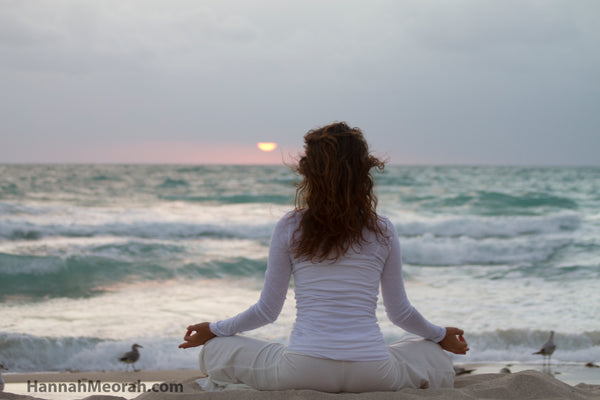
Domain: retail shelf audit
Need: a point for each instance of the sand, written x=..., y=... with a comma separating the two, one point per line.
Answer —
x=526, y=384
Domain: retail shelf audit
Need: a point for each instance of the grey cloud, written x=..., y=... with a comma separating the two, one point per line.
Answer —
x=428, y=80
x=467, y=25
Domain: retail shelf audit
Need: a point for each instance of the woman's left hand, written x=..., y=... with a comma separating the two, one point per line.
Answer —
x=202, y=335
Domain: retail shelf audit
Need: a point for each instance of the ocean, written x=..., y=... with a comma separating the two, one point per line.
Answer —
x=94, y=258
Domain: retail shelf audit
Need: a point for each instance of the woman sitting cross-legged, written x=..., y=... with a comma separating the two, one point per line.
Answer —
x=339, y=251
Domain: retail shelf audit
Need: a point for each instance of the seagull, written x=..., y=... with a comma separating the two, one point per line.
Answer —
x=547, y=348
x=1, y=380
x=131, y=356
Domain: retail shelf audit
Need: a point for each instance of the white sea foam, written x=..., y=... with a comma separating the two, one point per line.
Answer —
x=431, y=250
x=33, y=353
x=245, y=220
x=99, y=257
x=411, y=224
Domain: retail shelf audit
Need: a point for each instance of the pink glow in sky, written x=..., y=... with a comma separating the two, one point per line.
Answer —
x=168, y=153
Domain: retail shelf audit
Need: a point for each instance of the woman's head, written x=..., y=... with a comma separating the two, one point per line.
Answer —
x=336, y=193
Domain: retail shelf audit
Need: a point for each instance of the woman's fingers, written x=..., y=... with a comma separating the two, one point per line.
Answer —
x=197, y=335
x=454, y=341
x=454, y=331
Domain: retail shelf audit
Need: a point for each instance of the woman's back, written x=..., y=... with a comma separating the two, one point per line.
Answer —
x=336, y=303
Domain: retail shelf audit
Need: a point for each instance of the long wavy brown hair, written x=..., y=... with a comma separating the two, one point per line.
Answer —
x=335, y=196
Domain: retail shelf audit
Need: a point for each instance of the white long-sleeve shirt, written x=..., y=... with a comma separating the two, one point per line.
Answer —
x=335, y=301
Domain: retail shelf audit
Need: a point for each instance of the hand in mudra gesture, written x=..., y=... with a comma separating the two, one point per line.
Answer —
x=197, y=335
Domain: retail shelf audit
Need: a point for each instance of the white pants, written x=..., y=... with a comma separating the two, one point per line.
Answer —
x=269, y=366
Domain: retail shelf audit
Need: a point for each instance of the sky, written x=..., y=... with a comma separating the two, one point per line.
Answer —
x=498, y=82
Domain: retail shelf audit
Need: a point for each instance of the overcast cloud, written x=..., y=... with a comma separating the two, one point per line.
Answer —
x=436, y=82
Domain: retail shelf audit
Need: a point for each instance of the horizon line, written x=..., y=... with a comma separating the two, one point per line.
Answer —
x=398, y=164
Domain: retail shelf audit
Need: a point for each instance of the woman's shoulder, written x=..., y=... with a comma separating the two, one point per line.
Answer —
x=284, y=229
x=385, y=223
x=290, y=219
x=292, y=216
x=387, y=230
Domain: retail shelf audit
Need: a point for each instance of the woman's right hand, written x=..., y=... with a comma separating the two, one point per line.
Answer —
x=454, y=341
x=203, y=334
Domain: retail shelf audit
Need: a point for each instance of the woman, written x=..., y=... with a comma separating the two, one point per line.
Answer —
x=339, y=251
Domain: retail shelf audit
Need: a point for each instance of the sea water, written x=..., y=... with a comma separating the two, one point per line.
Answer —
x=94, y=258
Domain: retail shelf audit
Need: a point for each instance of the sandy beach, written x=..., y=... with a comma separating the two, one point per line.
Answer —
x=485, y=382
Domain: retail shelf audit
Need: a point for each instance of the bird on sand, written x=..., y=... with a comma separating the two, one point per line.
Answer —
x=547, y=348
x=131, y=356
x=1, y=380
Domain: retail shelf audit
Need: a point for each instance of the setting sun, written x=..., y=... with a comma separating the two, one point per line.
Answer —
x=266, y=146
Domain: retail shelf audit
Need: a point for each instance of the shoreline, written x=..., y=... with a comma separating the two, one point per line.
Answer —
x=570, y=373
x=568, y=377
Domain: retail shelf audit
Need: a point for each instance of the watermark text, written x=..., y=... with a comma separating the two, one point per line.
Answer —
x=97, y=386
